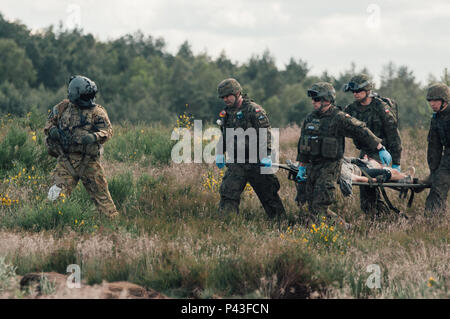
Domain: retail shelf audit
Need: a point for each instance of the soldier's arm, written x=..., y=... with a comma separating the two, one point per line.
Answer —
x=260, y=120
x=358, y=131
x=435, y=147
x=53, y=115
x=103, y=128
x=392, y=135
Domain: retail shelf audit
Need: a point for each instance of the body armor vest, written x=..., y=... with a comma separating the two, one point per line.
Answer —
x=319, y=140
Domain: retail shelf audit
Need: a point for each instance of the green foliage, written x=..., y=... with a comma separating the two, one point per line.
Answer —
x=7, y=275
x=139, y=81
x=151, y=145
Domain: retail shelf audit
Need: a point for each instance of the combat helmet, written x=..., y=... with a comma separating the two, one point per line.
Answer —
x=360, y=82
x=323, y=90
x=82, y=91
x=227, y=87
x=438, y=91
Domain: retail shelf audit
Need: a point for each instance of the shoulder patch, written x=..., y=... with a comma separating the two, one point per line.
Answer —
x=223, y=113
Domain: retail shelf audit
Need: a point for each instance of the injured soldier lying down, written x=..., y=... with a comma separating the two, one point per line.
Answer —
x=360, y=170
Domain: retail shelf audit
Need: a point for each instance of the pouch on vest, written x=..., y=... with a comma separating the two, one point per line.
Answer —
x=330, y=147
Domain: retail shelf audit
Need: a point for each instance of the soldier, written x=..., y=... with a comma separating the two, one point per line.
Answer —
x=376, y=113
x=242, y=113
x=438, y=154
x=321, y=148
x=76, y=130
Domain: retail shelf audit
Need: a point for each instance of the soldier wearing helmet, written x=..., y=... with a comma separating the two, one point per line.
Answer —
x=321, y=148
x=438, y=154
x=377, y=114
x=76, y=130
x=243, y=113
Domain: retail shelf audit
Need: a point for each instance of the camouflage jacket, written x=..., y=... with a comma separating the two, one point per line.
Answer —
x=380, y=120
x=438, y=154
x=337, y=124
x=249, y=115
x=75, y=122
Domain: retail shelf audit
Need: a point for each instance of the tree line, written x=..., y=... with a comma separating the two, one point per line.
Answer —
x=139, y=81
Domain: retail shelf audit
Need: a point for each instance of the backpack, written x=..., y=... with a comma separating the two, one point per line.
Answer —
x=393, y=106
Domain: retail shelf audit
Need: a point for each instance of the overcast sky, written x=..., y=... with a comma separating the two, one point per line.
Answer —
x=328, y=35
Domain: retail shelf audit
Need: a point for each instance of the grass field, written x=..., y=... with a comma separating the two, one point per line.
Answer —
x=169, y=236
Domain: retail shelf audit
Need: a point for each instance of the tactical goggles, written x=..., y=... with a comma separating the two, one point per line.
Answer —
x=313, y=93
x=355, y=87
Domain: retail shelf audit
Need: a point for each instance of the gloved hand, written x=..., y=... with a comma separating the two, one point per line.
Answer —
x=220, y=161
x=54, y=134
x=88, y=139
x=385, y=157
x=396, y=167
x=266, y=162
x=301, y=175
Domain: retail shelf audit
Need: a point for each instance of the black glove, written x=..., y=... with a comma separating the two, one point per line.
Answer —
x=54, y=134
x=88, y=139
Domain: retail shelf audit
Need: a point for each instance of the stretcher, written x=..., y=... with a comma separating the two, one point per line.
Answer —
x=402, y=188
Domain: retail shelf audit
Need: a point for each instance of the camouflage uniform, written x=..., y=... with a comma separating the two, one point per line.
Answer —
x=321, y=146
x=84, y=160
x=380, y=120
x=266, y=186
x=438, y=154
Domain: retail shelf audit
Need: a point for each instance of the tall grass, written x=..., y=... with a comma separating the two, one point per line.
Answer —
x=170, y=237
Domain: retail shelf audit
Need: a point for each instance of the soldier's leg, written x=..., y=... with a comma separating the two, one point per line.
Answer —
x=232, y=186
x=63, y=179
x=436, y=202
x=95, y=182
x=266, y=187
x=324, y=191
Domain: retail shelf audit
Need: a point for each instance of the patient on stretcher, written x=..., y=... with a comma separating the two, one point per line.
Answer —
x=360, y=170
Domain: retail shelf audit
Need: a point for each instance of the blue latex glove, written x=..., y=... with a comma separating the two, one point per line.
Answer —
x=396, y=167
x=266, y=162
x=220, y=161
x=385, y=157
x=301, y=175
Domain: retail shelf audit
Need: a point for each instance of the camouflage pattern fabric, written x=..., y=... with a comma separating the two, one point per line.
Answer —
x=266, y=187
x=438, y=156
x=93, y=179
x=76, y=122
x=249, y=115
x=380, y=120
x=323, y=173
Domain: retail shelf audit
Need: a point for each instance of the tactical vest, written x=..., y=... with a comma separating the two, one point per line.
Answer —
x=319, y=140
x=72, y=126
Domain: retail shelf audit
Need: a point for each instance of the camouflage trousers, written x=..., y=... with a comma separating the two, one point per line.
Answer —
x=93, y=179
x=436, y=203
x=320, y=187
x=371, y=202
x=266, y=187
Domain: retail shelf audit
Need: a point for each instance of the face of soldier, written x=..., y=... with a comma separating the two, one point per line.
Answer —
x=231, y=100
x=436, y=105
x=317, y=104
x=360, y=96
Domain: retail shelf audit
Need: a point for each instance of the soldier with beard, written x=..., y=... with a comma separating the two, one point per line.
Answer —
x=243, y=113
